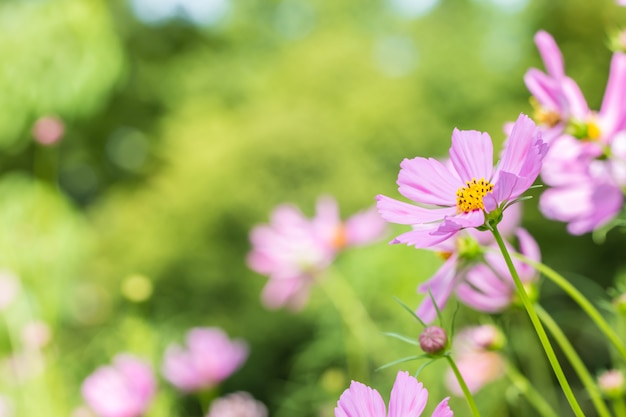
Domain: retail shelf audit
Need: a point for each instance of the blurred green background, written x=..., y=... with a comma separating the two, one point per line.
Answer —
x=186, y=123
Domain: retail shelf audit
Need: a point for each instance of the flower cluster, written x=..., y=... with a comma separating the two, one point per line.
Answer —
x=127, y=387
x=586, y=164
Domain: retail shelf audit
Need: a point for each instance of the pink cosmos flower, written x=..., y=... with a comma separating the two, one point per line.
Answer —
x=209, y=358
x=237, y=404
x=474, y=350
x=408, y=399
x=464, y=196
x=292, y=250
x=584, y=165
x=124, y=389
x=461, y=252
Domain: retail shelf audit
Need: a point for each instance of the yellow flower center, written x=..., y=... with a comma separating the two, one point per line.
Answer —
x=593, y=130
x=470, y=197
x=340, y=238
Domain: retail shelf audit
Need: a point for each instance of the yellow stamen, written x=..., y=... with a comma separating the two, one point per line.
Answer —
x=593, y=130
x=470, y=198
x=444, y=255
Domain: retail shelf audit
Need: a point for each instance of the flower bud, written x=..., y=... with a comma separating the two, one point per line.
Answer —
x=612, y=383
x=433, y=339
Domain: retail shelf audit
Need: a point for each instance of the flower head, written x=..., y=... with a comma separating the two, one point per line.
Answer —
x=612, y=383
x=124, y=389
x=433, y=339
x=209, y=358
x=237, y=404
x=293, y=250
x=408, y=399
x=468, y=194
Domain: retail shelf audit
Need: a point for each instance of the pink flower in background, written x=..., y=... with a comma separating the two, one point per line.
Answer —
x=488, y=286
x=292, y=250
x=124, y=389
x=48, y=130
x=474, y=350
x=36, y=335
x=461, y=252
x=408, y=399
x=462, y=197
x=208, y=358
x=237, y=404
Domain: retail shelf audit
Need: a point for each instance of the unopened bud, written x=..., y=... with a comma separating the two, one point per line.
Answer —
x=433, y=339
x=612, y=383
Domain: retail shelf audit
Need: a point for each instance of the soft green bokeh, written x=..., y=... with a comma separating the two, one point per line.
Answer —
x=180, y=138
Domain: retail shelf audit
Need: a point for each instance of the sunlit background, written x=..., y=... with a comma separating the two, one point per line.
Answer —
x=141, y=140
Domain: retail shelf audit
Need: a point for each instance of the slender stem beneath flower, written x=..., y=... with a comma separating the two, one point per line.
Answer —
x=541, y=333
x=524, y=386
x=575, y=361
x=463, y=385
x=619, y=407
x=581, y=300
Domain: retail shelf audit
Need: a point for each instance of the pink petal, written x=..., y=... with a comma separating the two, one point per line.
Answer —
x=471, y=154
x=613, y=108
x=427, y=181
x=408, y=397
x=519, y=145
x=443, y=409
x=576, y=103
x=550, y=54
x=546, y=90
x=453, y=224
x=365, y=227
x=360, y=401
x=423, y=237
x=292, y=293
x=395, y=211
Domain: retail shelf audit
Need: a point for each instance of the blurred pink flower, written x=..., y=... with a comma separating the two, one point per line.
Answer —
x=463, y=197
x=408, y=399
x=237, y=404
x=9, y=288
x=124, y=389
x=292, y=250
x=48, y=130
x=474, y=350
x=209, y=358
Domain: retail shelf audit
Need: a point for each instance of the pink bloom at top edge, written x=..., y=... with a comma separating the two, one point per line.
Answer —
x=208, y=358
x=124, y=389
x=460, y=197
x=621, y=2
x=408, y=399
x=293, y=249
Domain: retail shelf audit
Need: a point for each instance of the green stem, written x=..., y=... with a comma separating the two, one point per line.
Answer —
x=580, y=299
x=524, y=386
x=619, y=407
x=575, y=361
x=463, y=385
x=366, y=335
x=541, y=333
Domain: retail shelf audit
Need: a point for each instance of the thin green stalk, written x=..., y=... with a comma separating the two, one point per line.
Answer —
x=463, y=385
x=524, y=386
x=575, y=361
x=619, y=407
x=541, y=333
x=365, y=334
x=581, y=300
